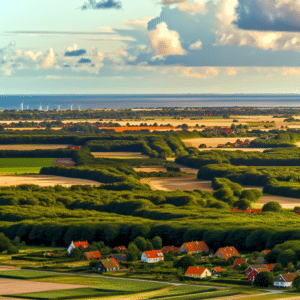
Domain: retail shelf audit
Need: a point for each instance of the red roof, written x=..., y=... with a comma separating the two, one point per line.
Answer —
x=120, y=248
x=235, y=210
x=92, y=255
x=238, y=262
x=270, y=266
x=154, y=254
x=84, y=245
x=167, y=249
x=266, y=251
x=196, y=246
x=227, y=252
x=218, y=269
x=110, y=263
x=289, y=277
x=253, y=211
x=194, y=271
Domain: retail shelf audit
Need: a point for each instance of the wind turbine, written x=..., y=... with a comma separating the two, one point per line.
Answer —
x=58, y=107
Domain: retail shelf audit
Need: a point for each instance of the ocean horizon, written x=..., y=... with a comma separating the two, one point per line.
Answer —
x=43, y=102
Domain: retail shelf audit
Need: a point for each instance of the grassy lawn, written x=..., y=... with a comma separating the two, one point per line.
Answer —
x=121, y=285
x=70, y=293
x=273, y=297
x=24, y=165
x=22, y=274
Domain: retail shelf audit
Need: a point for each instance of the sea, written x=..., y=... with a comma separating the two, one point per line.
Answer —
x=63, y=102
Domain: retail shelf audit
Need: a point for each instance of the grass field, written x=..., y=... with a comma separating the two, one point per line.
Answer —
x=24, y=165
x=23, y=274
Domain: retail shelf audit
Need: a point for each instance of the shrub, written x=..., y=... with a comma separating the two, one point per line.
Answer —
x=272, y=206
x=264, y=279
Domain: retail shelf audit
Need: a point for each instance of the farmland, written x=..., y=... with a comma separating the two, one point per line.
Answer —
x=214, y=142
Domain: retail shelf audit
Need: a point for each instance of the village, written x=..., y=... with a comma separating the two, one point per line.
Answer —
x=193, y=261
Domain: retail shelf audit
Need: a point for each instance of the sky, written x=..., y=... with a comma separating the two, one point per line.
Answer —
x=149, y=47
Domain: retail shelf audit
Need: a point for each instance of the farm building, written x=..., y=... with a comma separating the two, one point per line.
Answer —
x=120, y=248
x=254, y=270
x=91, y=255
x=216, y=270
x=119, y=257
x=194, y=247
x=152, y=256
x=167, y=249
x=227, y=252
x=197, y=272
x=108, y=265
x=75, y=245
x=238, y=262
x=285, y=280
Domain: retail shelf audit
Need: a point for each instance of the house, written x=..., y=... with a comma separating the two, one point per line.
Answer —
x=120, y=248
x=270, y=266
x=119, y=257
x=167, y=249
x=216, y=270
x=194, y=247
x=265, y=252
x=91, y=255
x=253, y=211
x=75, y=245
x=75, y=147
x=238, y=262
x=197, y=272
x=152, y=256
x=253, y=270
x=285, y=280
x=227, y=252
x=108, y=265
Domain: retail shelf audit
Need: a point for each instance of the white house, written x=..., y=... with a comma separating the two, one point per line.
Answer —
x=74, y=245
x=152, y=256
x=285, y=280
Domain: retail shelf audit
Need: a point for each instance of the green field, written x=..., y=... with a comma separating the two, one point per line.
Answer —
x=24, y=165
x=22, y=274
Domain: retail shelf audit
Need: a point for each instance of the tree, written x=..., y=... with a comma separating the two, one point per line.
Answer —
x=184, y=263
x=272, y=256
x=141, y=243
x=296, y=283
x=5, y=243
x=131, y=256
x=242, y=204
x=278, y=267
x=264, y=279
x=272, y=206
x=244, y=266
x=287, y=256
x=157, y=242
x=77, y=253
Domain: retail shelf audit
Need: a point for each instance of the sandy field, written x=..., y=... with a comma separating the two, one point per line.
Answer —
x=214, y=142
x=32, y=147
x=120, y=154
x=44, y=180
x=16, y=286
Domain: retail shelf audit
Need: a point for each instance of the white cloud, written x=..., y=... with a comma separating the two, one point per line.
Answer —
x=49, y=59
x=196, y=46
x=33, y=56
x=199, y=72
x=143, y=22
x=191, y=6
x=71, y=49
x=165, y=42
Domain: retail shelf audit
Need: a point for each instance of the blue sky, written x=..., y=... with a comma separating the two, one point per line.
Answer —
x=149, y=46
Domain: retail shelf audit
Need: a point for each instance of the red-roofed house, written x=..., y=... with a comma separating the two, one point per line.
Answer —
x=238, y=262
x=152, y=256
x=252, y=211
x=253, y=270
x=92, y=255
x=285, y=280
x=216, y=270
x=227, y=252
x=194, y=247
x=265, y=251
x=120, y=248
x=167, y=249
x=270, y=266
x=197, y=272
x=108, y=265
x=75, y=245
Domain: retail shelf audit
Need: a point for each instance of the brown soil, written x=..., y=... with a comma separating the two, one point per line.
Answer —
x=152, y=169
x=44, y=180
x=16, y=286
x=214, y=142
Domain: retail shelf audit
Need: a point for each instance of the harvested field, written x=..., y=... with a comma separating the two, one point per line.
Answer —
x=120, y=154
x=235, y=149
x=16, y=286
x=214, y=142
x=32, y=147
x=285, y=202
x=44, y=180
x=150, y=169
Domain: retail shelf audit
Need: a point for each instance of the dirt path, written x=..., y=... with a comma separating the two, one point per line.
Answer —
x=44, y=180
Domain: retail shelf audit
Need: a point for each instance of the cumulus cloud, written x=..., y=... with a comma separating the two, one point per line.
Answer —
x=104, y=4
x=49, y=59
x=165, y=42
x=268, y=15
x=84, y=61
x=231, y=35
x=202, y=72
x=196, y=46
x=191, y=6
x=143, y=22
x=75, y=52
